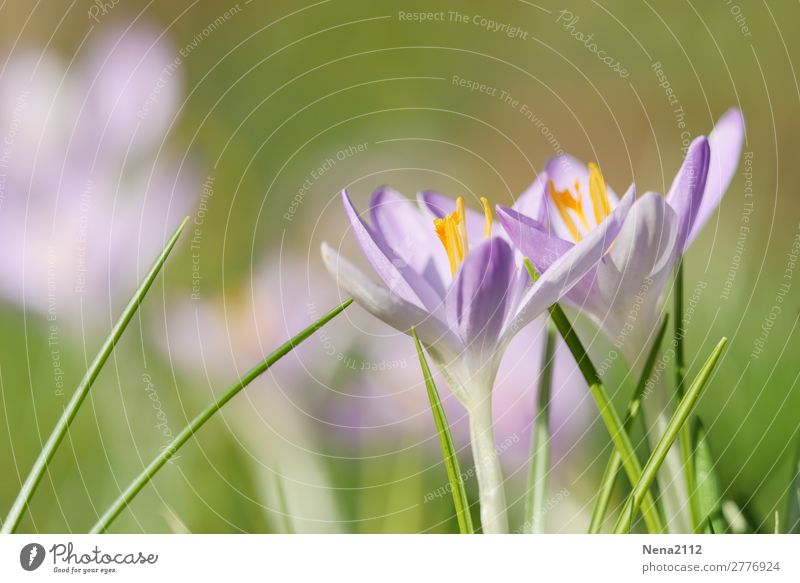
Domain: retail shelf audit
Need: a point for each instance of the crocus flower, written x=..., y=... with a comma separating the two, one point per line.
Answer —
x=357, y=378
x=623, y=291
x=446, y=273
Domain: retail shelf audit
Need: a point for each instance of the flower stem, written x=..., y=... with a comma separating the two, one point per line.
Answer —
x=188, y=431
x=71, y=410
x=540, y=440
x=487, y=468
x=685, y=441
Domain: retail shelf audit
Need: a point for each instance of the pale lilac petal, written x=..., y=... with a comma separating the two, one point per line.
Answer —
x=643, y=249
x=533, y=202
x=632, y=277
x=398, y=276
x=439, y=205
x=571, y=267
x=410, y=235
x=687, y=189
x=725, y=142
x=390, y=308
x=480, y=295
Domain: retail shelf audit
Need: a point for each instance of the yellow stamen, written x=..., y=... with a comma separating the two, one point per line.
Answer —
x=461, y=224
x=452, y=232
x=487, y=213
x=579, y=207
x=599, y=194
x=565, y=202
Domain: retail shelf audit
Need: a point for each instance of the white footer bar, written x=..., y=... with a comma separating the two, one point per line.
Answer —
x=406, y=558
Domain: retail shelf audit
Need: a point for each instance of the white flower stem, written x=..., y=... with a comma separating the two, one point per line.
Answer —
x=487, y=468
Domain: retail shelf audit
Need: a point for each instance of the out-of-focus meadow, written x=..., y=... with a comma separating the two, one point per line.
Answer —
x=119, y=118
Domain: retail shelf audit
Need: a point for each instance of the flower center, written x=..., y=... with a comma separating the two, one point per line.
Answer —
x=570, y=206
x=452, y=232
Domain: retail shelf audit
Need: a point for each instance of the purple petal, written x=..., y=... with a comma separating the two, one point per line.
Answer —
x=480, y=295
x=398, y=276
x=687, y=189
x=389, y=307
x=572, y=266
x=534, y=241
x=532, y=238
x=410, y=235
x=725, y=142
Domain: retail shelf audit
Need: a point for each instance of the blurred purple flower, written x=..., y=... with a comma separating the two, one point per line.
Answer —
x=88, y=192
x=622, y=293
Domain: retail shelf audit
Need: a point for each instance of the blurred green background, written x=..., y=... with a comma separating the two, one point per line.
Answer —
x=275, y=90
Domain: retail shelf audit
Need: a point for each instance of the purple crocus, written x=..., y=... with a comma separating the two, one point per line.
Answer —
x=623, y=291
x=445, y=272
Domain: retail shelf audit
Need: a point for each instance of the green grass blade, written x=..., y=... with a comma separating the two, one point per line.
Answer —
x=608, y=414
x=163, y=457
x=642, y=487
x=710, y=527
x=707, y=496
x=540, y=441
x=634, y=406
x=71, y=410
x=283, y=502
x=680, y=366
x=448, y=449
x=685, y=443
x=793, y=506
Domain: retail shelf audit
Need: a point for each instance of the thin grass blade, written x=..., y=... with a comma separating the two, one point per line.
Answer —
x=283, y=509
x=642, y=487
x=608, y=414
x=458, y=491
x=187, y=432
x=634, y=407
x=60, y=430
x=793, y=506
x=707, y=496
x=540, y=441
